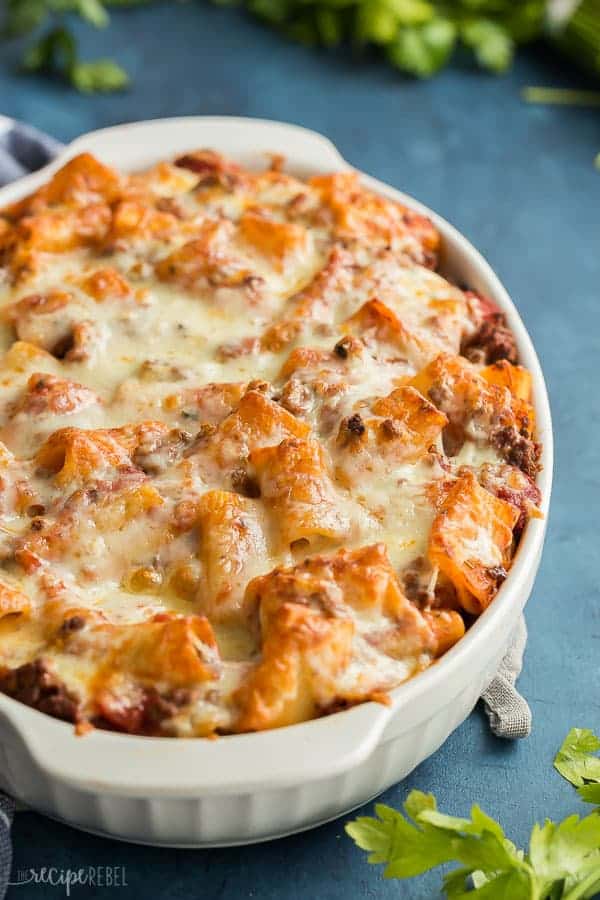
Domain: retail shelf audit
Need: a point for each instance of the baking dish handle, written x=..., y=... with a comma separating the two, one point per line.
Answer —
x=134, y=146
x=127, y=765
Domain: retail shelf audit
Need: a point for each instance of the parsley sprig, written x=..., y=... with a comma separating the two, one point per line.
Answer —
x=562, y=861
x=576, y=761
x=418, y=37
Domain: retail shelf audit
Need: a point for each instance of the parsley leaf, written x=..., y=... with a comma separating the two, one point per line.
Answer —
x=590, y=793
x=98, y=75
x=576, y=762
x=375, y=22
x=562, y=863
x=567, y=850
x=491, y=42
x=423, y=50
x=93, y=12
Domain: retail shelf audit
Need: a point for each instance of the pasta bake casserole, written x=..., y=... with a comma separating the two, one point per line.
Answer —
x=259, y=460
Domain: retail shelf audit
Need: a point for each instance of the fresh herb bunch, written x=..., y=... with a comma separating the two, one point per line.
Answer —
x=562, y=862
x=417, y=36
x=54, y=48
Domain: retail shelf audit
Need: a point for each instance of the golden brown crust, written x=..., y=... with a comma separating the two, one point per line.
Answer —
x=13, y=601
x=470, y=541
x=297, y=489
x=308, y=629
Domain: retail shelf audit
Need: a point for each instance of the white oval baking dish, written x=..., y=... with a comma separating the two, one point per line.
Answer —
x=251, y=787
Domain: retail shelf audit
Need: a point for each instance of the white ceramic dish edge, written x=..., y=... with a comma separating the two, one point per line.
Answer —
x=251, y=787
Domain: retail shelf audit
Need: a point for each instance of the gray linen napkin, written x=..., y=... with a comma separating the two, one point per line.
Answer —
x=24, y=149
x=508, y=712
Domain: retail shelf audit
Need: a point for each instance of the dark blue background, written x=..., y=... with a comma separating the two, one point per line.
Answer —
x=519, y=181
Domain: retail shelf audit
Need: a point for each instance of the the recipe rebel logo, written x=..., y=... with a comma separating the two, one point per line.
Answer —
x=68, y=879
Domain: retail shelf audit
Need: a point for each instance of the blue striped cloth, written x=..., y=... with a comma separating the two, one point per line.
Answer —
x=24, y=149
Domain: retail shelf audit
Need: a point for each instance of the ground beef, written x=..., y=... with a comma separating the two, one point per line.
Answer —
x=453, y=438
x=36, y=685
x=141, y=712
x=158, y=451
x=517, y=449
x=498, y=573
x=352, y=430
x=211, y=168
x=243, y=483
x=72, y=624
x=492, y=341
x=416, y=578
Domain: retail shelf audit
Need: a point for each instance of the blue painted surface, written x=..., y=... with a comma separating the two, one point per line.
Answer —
x=520, y=183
